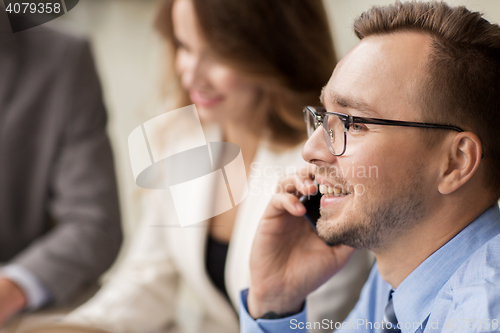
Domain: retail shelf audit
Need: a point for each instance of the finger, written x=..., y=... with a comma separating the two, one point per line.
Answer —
x=284, y=202
x=300, y=182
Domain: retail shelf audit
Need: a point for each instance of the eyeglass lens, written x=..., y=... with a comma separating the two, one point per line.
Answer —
x=334, y=134
x=333, y=131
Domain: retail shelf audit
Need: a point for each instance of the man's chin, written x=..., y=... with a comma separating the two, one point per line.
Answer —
x=327, y=231
x=332, y=233
x=333, y=242
x=331, y=239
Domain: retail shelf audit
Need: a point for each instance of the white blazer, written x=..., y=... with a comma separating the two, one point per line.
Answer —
x=162, y=285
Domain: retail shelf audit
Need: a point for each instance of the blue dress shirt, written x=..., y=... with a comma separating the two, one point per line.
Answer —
x=456, y=289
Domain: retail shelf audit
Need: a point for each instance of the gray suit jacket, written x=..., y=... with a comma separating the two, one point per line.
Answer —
x=59, y=214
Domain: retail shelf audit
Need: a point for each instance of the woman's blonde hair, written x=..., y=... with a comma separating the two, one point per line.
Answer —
x=284, y=45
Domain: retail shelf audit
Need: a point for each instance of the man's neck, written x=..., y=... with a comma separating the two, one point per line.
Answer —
x=407, y=252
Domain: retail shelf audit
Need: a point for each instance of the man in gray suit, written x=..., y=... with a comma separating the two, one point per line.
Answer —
x=59, y=215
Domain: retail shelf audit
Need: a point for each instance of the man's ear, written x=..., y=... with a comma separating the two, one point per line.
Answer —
x=464, y=157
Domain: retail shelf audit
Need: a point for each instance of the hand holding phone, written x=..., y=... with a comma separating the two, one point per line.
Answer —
x=288, y=259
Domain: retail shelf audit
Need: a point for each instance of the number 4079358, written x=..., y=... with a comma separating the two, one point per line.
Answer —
x=33, y=8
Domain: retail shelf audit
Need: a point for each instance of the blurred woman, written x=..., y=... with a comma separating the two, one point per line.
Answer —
x=249, y=66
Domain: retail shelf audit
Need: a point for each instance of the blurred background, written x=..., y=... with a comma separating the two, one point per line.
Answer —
x=129, y=58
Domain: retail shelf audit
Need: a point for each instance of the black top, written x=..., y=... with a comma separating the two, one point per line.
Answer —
x=216, y=263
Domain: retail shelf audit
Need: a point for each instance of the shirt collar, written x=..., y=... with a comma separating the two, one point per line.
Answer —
x=415, y=296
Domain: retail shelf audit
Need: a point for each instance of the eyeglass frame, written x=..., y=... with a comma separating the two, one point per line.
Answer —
x=348, y=120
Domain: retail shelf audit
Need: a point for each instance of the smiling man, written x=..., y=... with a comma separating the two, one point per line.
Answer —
x=419, y=99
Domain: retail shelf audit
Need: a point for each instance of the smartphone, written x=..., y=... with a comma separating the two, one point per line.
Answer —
x=312, y=204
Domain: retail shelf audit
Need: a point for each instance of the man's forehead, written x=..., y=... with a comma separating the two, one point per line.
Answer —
x=378, y=71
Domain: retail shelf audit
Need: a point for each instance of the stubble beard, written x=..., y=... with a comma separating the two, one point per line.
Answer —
x=398, y=210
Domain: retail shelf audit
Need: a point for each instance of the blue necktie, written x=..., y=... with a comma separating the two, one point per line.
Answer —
x=390, y=320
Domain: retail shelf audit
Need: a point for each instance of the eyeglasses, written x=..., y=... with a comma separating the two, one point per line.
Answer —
x=336, y=125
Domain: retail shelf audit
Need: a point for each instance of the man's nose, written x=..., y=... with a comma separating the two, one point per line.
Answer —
x=315, y=150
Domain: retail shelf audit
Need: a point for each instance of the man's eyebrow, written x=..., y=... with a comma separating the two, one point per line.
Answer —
x=352, y=103
x=321, y=98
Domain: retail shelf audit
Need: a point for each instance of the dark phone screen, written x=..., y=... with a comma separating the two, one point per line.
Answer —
x=312, y=204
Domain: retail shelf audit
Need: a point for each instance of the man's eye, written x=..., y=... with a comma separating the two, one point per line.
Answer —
x=357, y=128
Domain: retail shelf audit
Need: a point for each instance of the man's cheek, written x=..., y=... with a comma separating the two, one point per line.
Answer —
x=363, y=178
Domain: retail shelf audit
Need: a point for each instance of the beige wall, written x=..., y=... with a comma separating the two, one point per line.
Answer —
x=343, y=12
x=127, y=54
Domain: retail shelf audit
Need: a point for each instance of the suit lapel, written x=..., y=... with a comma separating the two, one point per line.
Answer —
x=261, y=189
x=237, y=273
x=189, y=248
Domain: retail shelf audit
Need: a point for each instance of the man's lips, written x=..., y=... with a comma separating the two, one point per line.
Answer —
x=328, y=200
x=322, y=181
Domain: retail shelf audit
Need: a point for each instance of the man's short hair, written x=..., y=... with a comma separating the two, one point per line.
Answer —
x=462, y=85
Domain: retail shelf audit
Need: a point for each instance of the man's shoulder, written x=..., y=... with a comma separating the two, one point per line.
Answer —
x=54, y=32
x=470, y=301
x=474, y=288
x=482, y=267
x=50, y=44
